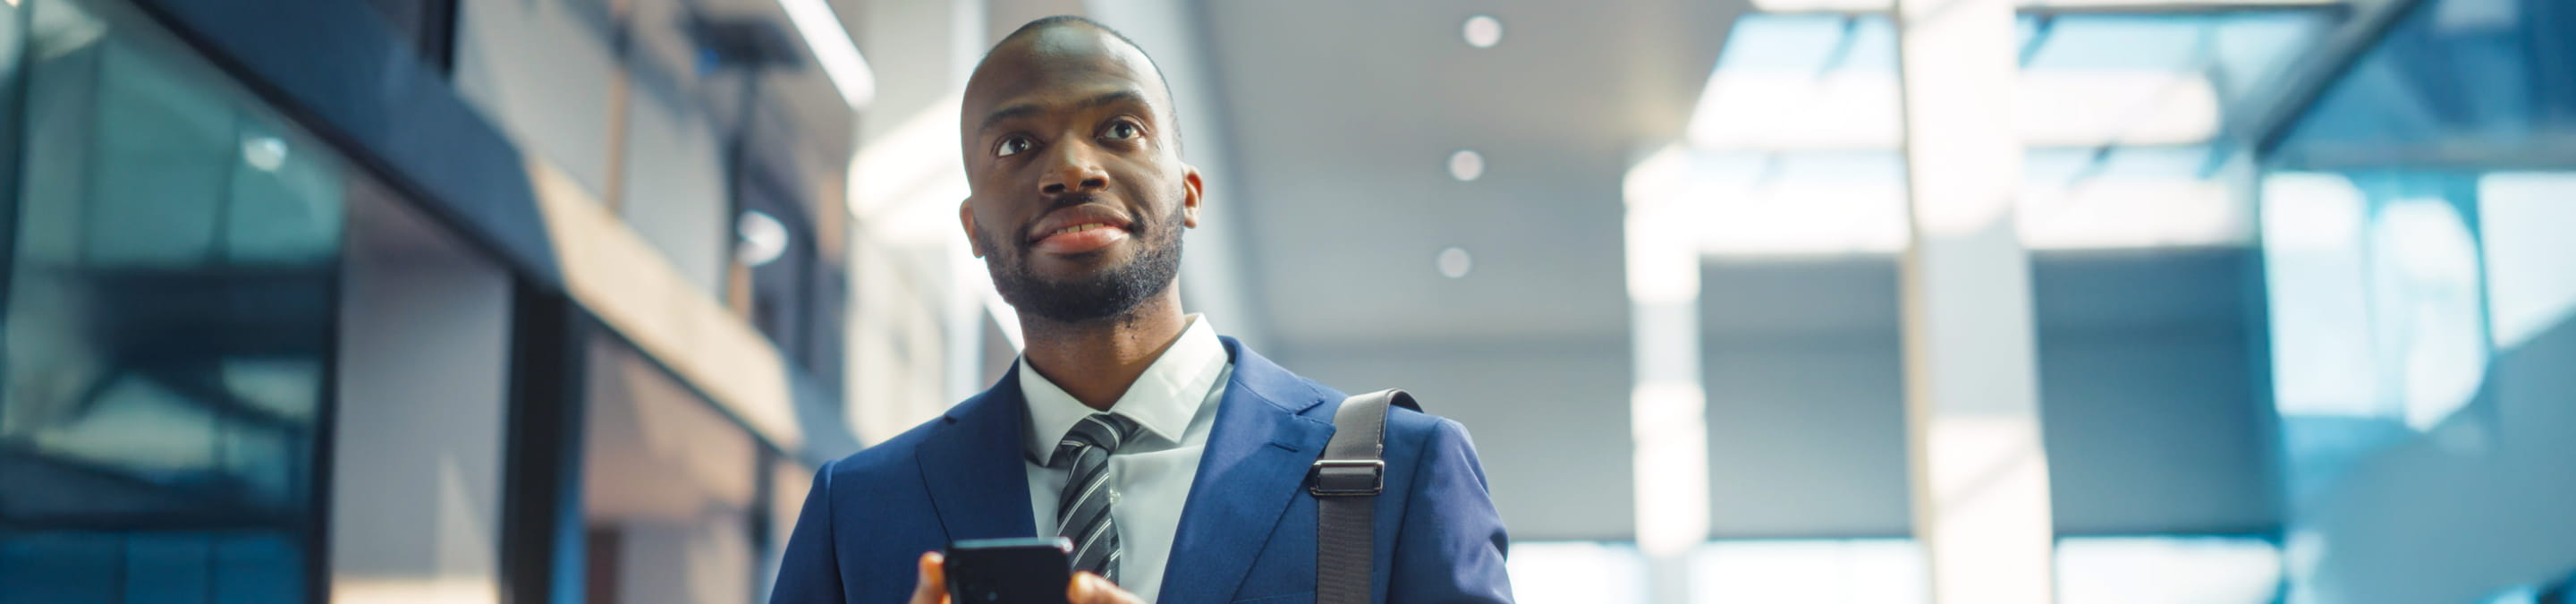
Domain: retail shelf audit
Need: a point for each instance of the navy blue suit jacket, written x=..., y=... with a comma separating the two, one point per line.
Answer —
x=1247, y=532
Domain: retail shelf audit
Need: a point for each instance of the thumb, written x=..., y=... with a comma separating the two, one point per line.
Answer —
x=932, y=585
x=1089, y=588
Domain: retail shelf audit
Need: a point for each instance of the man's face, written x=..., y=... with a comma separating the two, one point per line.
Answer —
x=1078, y=191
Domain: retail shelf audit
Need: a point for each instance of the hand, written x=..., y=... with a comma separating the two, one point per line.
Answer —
x=932, y=587
x=1089, y=588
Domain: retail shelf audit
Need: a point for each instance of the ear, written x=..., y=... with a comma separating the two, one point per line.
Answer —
x=1193, y=190
x=966, y=218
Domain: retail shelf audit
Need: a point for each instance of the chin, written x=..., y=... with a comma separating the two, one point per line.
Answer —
x=1083, y=264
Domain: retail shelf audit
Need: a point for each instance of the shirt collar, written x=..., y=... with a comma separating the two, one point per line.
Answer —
x=1162, y=400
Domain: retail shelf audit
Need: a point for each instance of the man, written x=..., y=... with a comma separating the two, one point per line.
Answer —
x=1173, y=458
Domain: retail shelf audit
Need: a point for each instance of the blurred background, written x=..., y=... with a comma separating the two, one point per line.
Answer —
x=1769, y=301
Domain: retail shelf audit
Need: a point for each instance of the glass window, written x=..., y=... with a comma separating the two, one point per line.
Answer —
x=2414, y=225
x=170, y=269
x=2457, y=82
x=169, y=293
x=2531, y=263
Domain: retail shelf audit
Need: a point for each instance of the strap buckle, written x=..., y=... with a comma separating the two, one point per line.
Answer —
x=1346, y=477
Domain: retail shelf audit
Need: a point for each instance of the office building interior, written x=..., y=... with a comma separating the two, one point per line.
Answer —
x=1743, y=301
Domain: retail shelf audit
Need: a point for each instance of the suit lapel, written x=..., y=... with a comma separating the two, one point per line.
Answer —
x=1255, y=462
x=973, y=466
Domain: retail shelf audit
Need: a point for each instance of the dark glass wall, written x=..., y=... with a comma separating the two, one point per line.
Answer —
x=168, y=319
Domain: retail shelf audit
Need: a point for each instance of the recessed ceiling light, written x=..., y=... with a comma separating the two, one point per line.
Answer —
x=1454, y=263
x=760, y=238
x=1483, y=31
x=263, y=152
x=1466, y=165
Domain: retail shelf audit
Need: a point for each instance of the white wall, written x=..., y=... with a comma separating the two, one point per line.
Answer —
x=2156, y=430
x=417, y=472
x=899, y=345
x=909, y=323
x=540, y=72
x=1806, y=436
x=675, y=188
x=672, y=479
x=690, y=563
x=2148, y=391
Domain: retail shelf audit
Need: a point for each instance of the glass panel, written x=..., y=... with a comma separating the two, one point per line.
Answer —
x=150, y=567
x=2531, y=262
x=2458, y=81
x=2519, y=595
x=166, y=567
x=170, y=253
x=257, y=568
x=2379, y=317
x=58, y=567
x=169, y=294
x=2414, y=226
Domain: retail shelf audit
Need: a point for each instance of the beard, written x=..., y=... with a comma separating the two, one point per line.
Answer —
x=1110, y=293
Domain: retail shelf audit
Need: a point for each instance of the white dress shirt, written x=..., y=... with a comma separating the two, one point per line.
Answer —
x=1175, y=401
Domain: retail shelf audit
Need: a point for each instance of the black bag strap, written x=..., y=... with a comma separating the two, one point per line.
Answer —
x=1345, y=482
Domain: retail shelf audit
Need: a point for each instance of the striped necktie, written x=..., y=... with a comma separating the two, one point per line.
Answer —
x=1082, y=512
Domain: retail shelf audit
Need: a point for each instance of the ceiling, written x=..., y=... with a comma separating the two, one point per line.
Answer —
x=1344, y=114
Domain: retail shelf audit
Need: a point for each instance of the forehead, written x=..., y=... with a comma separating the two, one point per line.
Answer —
x=1056, y=67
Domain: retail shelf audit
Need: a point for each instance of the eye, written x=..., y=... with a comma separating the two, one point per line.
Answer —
x=1123, y=131
x=1013, y=145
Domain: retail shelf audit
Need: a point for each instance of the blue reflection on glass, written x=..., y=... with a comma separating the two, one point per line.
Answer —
x=2416, y=236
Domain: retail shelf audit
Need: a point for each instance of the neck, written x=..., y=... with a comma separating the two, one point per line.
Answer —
x=1095, y=361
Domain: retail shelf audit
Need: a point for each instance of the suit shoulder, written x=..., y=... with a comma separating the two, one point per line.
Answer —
x=1406, y=429
x=1416, y=428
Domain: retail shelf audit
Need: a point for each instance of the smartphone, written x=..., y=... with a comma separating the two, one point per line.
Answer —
x=1029, y=570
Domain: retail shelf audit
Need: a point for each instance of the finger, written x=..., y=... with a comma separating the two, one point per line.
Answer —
x=931, y=586
x=1089, y=588
x=1080, y=590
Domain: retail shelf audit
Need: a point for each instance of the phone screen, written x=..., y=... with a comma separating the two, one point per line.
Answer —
x=1031, y=570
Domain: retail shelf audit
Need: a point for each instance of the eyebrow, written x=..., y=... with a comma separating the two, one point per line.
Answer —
x=1028, y=109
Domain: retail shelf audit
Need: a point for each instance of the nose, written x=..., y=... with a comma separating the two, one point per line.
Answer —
x=1075, y=170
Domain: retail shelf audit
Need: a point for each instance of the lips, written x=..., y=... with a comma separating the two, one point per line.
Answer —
x=1079, y=229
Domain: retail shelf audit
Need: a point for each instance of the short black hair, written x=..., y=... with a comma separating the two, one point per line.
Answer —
x=1056, y=20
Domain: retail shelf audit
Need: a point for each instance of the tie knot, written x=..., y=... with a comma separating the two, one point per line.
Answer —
x=1103, y=431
